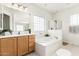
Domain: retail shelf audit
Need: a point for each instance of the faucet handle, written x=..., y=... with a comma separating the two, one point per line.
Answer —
x=56, y=37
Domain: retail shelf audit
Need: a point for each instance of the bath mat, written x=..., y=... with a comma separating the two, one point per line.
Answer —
x=65, y=43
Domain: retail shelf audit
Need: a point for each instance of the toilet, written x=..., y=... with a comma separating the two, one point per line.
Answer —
x=63, y=52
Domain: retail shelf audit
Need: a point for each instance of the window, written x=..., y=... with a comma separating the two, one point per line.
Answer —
x=39, y=23
x=74, y=20
x=19, y=27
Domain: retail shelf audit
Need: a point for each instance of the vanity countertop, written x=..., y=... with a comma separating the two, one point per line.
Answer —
x=16, y=35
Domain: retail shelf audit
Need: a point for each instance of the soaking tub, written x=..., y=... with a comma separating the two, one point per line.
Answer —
x=46, y=46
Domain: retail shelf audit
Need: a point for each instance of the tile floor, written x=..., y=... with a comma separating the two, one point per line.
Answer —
x=73, y=49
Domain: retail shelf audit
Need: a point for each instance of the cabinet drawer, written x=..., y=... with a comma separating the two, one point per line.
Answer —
x=31, y=40
x=23, y=37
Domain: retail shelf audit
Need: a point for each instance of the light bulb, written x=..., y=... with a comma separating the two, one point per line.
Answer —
x=15, y=5
x=25, y=8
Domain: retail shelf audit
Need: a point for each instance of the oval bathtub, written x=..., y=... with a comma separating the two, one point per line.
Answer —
x=47, y=46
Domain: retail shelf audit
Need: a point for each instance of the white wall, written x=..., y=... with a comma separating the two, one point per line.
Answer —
x=38, y=11
x=64, y=16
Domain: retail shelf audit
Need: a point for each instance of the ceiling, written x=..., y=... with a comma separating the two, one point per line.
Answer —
x=56, y=7
x=51, y=7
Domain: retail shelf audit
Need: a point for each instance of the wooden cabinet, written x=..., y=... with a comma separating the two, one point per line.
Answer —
x=31, y=43
x=8, y=46
x=22, y=45
x=19, y=45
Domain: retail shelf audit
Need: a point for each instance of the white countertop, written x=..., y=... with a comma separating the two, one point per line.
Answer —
x=16, y=35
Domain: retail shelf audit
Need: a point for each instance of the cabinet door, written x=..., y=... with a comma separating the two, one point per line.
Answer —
x=22, y=45
x=31, y=43
x=0, y=47
x=9, y=46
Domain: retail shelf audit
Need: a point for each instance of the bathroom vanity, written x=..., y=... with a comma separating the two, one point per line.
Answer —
x=17, y=45
x=18, y=42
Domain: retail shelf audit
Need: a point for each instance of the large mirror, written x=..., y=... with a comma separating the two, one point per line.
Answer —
x=0, y=21
x=14, y=21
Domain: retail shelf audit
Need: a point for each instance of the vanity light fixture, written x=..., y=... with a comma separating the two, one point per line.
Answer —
x=14, y=4
x=19, y=6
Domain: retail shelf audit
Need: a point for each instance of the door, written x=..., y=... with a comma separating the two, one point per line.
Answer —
x=22, y=45
x=9, y=46
x=31, y=43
